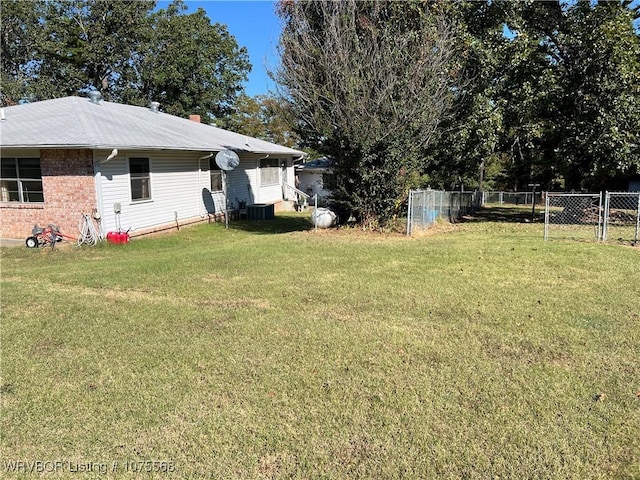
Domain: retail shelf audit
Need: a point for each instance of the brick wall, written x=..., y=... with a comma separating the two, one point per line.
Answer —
x=69, y=190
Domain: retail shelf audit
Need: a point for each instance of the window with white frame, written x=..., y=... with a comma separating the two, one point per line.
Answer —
x=21, y=180
x=139, y=173
x=269, y=171
x=216, y=176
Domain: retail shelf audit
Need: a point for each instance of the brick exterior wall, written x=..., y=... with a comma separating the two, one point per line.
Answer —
x=69, y=190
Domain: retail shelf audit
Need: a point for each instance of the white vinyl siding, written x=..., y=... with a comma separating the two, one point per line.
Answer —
x=177, y=192
x=180, y=188
x=242, y=182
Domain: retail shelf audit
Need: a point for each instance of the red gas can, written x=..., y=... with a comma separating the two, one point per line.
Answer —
x=117, y=237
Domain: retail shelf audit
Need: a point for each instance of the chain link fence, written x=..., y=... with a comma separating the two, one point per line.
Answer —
x=621, y=217
x=604, y=216
x=575, y=216
x=511, y=198
x=427, y=206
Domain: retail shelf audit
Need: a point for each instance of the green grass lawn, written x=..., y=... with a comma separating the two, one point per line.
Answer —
x=269, y=350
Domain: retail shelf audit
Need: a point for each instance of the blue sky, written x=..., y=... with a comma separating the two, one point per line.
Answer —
x=255, y=26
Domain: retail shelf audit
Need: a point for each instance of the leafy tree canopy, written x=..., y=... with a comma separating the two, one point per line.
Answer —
x=550, y=95
x=124, y=49
x=264, y=117
x=553, y=96
x=367, y=81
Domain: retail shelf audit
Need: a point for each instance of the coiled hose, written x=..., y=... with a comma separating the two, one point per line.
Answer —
x=88, y=232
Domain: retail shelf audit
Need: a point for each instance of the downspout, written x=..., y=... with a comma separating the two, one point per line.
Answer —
x=201, y=199
x=97, y=178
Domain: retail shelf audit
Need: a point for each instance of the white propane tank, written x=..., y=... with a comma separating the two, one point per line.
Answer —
x=323, y=218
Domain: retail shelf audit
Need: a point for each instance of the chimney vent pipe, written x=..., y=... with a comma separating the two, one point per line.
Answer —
x=95, y=97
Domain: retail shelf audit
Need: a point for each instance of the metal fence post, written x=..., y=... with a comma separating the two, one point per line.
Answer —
x=315, y=208
x=635, y=240
x=409, y=213
x=605, y=214
x=546, y=216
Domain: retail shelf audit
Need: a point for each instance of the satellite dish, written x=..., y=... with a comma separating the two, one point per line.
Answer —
x=227, y=160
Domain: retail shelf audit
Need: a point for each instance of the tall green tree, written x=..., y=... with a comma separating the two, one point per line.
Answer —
x=125, y=50
x=190, y=65
x=60, y=48
x=528, y=80
x=598, y=102
x=19, y=39
x=468, y=140
x=553, y=96
x=368, y=81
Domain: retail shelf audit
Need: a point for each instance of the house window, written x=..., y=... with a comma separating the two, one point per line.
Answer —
x=216, y=176
x=21, y=180
x=140, y=179
x=269, y=171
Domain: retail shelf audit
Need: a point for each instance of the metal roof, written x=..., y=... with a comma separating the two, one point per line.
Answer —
x=76, y=122
x=322, y=164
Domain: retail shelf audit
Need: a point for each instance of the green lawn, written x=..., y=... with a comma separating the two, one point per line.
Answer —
x=269, y=350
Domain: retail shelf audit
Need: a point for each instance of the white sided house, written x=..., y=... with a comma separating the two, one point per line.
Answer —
x=317, y=177
x=68, y=156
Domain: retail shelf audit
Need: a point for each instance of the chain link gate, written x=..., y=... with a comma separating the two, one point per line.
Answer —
x=621, y=216
x=577, y=216
x=595, y=216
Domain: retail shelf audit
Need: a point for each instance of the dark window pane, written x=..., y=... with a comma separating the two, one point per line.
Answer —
x=32, y=191
x=216, y=181
x=9, y=168
x=216, y=176
x=22, y=180
x=29, y=168
x=140, y=179
x=139, y=166
x=140, y=188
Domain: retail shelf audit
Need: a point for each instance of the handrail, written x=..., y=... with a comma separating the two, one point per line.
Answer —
x=306, y=196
